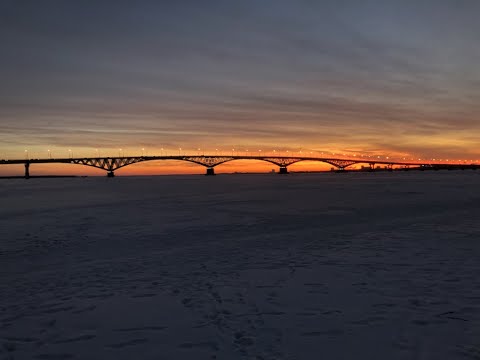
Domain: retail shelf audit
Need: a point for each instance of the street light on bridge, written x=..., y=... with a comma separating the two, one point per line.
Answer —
x=49, y=154
x=26, y=154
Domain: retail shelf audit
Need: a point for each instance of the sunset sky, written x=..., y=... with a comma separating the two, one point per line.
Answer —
x=367, y=77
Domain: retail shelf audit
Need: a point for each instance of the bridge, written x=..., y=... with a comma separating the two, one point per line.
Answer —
x=111, y=164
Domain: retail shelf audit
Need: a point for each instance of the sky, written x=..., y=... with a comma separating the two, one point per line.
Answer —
x=396, y=78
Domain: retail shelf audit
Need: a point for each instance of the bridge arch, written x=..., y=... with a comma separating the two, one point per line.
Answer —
x=281, y=162
x=210, y=162
x=108, y=164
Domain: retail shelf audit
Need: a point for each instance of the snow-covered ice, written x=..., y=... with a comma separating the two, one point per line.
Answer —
x=317, y=266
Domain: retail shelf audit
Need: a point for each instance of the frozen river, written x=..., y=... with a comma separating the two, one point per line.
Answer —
x=318, y=266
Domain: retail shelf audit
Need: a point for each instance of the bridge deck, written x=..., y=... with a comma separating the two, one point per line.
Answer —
x=110, y=164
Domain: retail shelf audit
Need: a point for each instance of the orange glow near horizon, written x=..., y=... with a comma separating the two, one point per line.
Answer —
x=174, y=167
x=171, y=167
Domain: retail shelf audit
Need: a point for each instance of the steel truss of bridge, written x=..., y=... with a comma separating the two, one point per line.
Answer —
x=110, y=164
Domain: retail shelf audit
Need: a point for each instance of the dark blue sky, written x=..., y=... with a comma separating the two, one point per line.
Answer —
x=364, y=76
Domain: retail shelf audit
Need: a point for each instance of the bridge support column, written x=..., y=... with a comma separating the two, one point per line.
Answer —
x=110, y=174
x=27, y=170
x=372, y=166
x=210, y=171
x=283, y=170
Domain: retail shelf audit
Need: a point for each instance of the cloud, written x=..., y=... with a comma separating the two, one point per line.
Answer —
x=304, y=75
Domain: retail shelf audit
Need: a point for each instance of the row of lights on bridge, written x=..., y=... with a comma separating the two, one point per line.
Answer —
x=274, y=152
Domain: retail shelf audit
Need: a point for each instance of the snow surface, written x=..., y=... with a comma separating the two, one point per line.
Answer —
x=317, y=266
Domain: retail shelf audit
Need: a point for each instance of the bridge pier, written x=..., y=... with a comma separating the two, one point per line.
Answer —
x=27, y=170
x=283, y=170
x=110, y=174
x=210, y=171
